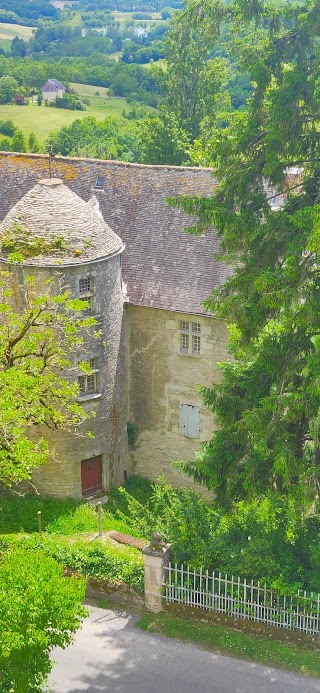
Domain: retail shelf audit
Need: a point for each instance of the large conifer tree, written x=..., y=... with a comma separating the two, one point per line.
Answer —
x=268, y=401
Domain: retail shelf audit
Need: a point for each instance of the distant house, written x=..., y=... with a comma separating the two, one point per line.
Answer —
x=51, y=89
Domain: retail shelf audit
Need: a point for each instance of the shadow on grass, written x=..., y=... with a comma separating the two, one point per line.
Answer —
x=19, y=514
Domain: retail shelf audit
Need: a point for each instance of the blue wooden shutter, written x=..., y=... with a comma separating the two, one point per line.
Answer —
x=189, y=420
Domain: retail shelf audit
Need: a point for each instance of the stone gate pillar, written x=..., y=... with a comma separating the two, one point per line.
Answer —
x=156, y=558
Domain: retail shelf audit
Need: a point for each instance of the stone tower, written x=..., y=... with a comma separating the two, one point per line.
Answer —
x=91, y=268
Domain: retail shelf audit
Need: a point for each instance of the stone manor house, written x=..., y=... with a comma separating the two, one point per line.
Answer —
x=145, y=279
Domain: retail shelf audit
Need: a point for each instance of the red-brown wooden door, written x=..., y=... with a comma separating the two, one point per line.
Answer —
x=91, y=475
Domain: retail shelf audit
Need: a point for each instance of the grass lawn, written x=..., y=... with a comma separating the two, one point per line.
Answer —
x=70, y=535
x=298, y=653
x=43, y=121
x=123, y=17
x=9, y=31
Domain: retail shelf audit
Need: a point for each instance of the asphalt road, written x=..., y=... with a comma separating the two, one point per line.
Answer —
x=111, y=654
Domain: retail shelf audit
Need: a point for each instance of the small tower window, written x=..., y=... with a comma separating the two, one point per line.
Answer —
x=84, y=285
x=99, y=183
x=88, y=383
x=86, y=293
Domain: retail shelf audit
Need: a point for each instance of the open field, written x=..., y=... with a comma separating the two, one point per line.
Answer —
x=9, y=31
x=43, y=121
x=101, y=105
x=123, y=17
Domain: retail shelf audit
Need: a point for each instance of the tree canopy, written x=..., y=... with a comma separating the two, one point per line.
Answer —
x=39, y=609
x=35, y=347
x=266, y=213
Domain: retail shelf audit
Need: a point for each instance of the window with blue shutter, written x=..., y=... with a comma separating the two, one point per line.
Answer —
x=189, y=420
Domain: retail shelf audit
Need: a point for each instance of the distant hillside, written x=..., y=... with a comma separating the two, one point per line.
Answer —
x=27, y=11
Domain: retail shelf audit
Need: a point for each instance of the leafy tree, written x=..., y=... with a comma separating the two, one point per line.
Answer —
x=19, y=142
x=9, y=87
x=195, y=81
x=39, y=609
x=5, y=144
x=107, y=139
x=7, y=127
x=164, y=141
x=33, y=144
x=19, y=47
x=268, y=401
x=34, y=346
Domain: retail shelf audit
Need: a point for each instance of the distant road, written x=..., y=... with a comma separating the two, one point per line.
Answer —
x=111, y=655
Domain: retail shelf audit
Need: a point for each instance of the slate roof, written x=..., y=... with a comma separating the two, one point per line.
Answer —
x=163, y=266
x=52, y=85
x=51, y=211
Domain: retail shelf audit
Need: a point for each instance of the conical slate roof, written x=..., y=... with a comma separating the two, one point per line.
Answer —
x=51, y=225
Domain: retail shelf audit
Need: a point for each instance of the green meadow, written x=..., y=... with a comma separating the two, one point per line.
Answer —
x=9, y=31
x=123, y=17
x=43, y=120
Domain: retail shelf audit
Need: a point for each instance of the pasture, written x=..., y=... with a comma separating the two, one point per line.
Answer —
x=123, y=17
x=42, y=120
x=9, y=31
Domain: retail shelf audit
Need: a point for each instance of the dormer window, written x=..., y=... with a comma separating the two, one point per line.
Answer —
x=99, y=183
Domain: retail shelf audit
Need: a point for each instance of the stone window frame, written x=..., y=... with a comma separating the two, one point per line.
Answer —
x=89, y=383
x=89, y=296
x=189, y=338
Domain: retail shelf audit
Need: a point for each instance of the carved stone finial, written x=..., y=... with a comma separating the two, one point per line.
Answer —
x=157, y=546
x=156, y=542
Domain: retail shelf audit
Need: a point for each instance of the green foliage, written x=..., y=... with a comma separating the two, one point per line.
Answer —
x=268, y=402
x=195, y=80
x=9, y=87
x=163, y=140
x=18, y=142
x=33, y=144
x=131, y=431
x=107, y=139
x=265, y=539
x=64, y=517
x=119, y=564
x=19, y=513
x=36, y=339
x=18, y=239
x=7, y=127
x=39, y=609
x=70, y=101
x=99, y=561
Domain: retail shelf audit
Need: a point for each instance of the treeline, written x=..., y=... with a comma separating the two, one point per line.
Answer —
x=127, y=5
x=131, y=81
x=27, y=12
x=136, y=137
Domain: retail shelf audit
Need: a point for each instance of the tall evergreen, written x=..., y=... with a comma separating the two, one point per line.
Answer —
x=268, y=401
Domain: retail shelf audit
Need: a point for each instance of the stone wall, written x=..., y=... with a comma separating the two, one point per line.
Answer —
x=160, y=379
x=62, y=475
